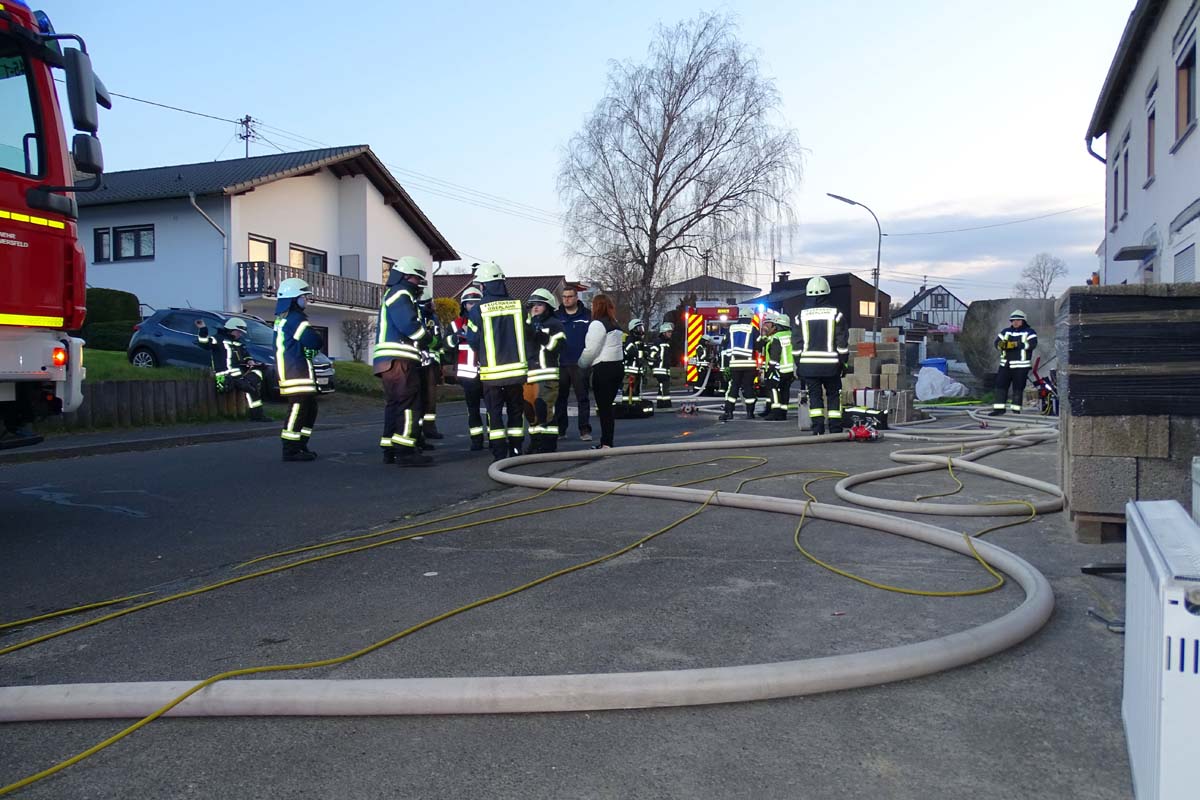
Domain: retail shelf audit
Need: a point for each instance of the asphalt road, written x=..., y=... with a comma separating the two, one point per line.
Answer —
x=96, y=527
x=1039, y=721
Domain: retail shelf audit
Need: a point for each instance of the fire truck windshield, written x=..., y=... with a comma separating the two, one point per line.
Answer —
x=20, y=143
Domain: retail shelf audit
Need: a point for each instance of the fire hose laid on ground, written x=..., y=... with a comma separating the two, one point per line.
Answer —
x=948, y=448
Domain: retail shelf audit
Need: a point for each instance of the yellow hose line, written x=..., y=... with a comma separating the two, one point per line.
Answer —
x=494, y=506
x=361, y=548
x=329, y=662
x=64, y=612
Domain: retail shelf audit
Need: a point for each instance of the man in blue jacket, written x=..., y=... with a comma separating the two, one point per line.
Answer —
x=398, y=359
x=575, y=318
x=295, y=345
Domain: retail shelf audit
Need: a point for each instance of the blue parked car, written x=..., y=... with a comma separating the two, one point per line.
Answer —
x=168, y=338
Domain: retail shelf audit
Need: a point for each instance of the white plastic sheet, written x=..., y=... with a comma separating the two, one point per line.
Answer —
x=933, y=384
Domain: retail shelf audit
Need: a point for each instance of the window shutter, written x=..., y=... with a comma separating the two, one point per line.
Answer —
x=1185, y=265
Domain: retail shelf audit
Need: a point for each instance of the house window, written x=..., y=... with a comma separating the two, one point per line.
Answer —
x=1185, y=94
x=941, y=300
x=308, y=259
x=133, y=242
x=1125, y=181
x=261, y=248
x=1116, y=196
x=388, y=263
x=866, y=308
x=1185, y=264
x=101, y=245
x=1150, y=145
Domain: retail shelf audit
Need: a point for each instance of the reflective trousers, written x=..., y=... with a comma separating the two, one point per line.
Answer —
x=825, y=402
x=506, y=429
x=401, y=392
x=1007, y=378
x=300, y=420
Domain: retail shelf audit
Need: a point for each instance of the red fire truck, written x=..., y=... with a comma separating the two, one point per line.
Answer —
x=704, y=330
x=41, y=262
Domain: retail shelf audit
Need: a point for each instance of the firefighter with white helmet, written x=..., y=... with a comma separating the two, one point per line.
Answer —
x=400, y=355
x=233, y=369
x=634, y=352
x=821, y=341
x=660, y=363
x=466, y=372
x=741, y=343
x=295, y=345
x=1016, y=344
x=546, y=339
x=496, y=330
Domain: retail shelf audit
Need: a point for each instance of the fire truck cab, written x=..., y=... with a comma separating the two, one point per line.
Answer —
x=41, y=263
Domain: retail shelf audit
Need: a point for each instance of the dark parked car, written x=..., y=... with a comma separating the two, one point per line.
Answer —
x=168, y=338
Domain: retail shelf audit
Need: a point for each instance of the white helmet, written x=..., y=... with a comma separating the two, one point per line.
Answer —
x=817, y=287
x=234, y=324
x=636, y=325
x=1018, y=314
x=293, y=287
x=543, y=296
x=782, y=320
x=427, y=292
x=471, y=294
x=488, y=271
x=411, y=265
x=667, y=327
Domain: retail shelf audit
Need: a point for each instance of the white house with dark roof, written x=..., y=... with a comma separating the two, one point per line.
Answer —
x=1147, y=113
x=222, y=235
x=933, y=310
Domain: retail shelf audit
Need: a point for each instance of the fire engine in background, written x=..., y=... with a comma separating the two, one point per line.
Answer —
x=41, y=262
x=704, y=336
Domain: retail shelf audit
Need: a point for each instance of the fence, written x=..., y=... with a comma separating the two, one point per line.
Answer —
x=131, y=404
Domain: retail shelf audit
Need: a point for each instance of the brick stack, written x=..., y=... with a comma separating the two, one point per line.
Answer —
x=1127, y=381
x=879, y=367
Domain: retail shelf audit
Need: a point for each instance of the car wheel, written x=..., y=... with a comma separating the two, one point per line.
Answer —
x=143, y=358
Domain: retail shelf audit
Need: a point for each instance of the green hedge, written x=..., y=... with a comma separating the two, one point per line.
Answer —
x=354, y=377
x=111, y=305
x=109, y=335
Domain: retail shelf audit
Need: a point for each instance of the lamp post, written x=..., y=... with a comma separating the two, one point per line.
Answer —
x=878, y=252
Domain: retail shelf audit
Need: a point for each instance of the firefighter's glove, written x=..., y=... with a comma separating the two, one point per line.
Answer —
x=1011, y=345
x=426, y=358
x=310, y=353
x=220, y=383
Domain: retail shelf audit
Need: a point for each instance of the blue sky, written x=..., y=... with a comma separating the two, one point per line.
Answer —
x=937, y=114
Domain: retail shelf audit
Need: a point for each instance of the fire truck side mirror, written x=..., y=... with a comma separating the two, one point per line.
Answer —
x=85, y=149
x=81, y=90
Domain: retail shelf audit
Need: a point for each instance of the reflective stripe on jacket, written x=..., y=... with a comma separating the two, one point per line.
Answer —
x=468, y=365
x=399, y=327
x=742, y=340
x=787, y=364
x=496, y=329
x=1021, y=355
x=660, y=357
x=294, y=338
x=824, y=342
x=550, y=338
x=634, y=352
x=228, y=354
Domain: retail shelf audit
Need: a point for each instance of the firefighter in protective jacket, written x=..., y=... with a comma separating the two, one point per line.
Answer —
x=496, y=330
x=822, y=342
x=634, y=353
x=660, y=363
x=466, y=372
x=1016, y=344
x=295, y=345
x=233, y=369
x=778, y=366
x=741, y=343
x=399, y=357
x=547, y=335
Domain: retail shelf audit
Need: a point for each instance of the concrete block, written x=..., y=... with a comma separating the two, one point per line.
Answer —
x=865, y=365
x=1101, y=485
x=1164, y=479
x=857, y=381
x=1128, y=435
x=1185, y=438
x=857, y=335
x=1079, y=436
x=887, y=381
x=888, y=353
x=889, y=369
x=1158, y=436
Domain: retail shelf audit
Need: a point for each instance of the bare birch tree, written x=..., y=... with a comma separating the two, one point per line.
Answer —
x=1039, y=275
x=683, y=155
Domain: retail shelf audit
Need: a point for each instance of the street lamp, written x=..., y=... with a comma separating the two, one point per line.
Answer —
x=878, y=251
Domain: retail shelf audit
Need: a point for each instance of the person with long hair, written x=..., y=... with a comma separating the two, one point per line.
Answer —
x=602, y=354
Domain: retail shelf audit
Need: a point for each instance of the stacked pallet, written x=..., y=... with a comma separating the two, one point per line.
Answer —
x=1128, y=379
x=878, y=369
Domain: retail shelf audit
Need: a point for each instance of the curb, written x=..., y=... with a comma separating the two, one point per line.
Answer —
x=41, y=453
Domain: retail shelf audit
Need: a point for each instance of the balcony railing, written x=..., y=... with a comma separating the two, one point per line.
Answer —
x=261, y=278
